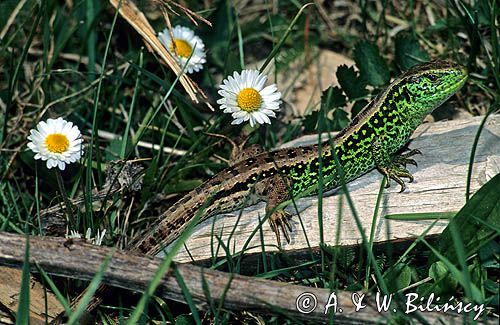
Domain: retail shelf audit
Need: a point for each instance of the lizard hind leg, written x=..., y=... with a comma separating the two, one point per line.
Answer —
x=280, y=219
x=278, y=191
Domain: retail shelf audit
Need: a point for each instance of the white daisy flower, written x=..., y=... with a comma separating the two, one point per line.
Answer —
x=185, y=42
x=246, y=98
x=58, y=142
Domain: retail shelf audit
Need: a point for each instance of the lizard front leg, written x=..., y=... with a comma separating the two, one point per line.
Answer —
x=276, y=190
x=393, y=167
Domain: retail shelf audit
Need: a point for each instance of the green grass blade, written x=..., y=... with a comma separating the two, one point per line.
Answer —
x=94, y=138
x=321, y=123
x=89, y=293
x=223, y=296
x=240, y=43
x=284, y=37
x=91, y=36
x=131, y=110
x=475, y=293
x=23, y=310
x=421, y=216
x=164, y=267
x=372, y=229
x=15, y=75
x=55, y=290
x=484, y=205
x=187, y=295
x=493, y=107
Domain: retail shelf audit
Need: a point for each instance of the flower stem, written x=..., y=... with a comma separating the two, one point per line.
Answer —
x=67, y=202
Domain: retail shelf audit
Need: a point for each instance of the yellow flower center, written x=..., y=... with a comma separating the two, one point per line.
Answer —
x=183, y=48
x=249, y=99
x=57, y=143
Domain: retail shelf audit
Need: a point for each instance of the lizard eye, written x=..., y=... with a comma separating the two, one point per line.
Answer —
x=415, y=80
x=432, y=77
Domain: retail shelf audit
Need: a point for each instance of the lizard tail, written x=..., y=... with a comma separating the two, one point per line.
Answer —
x=171, y=224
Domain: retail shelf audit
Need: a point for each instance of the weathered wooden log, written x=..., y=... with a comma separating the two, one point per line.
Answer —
x=80, y=260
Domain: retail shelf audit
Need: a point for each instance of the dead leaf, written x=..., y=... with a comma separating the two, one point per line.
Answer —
x=129, y=11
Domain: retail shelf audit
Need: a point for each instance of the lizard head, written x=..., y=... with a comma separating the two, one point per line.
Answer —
x=432, y=83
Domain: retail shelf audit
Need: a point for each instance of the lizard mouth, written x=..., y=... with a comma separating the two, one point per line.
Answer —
x=451, y=89
x=465, y=76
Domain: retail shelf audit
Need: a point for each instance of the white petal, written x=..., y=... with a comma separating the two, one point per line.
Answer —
x=32, y=146
x=265, y=118
x=43, y=128
x=239, y=114
x=255, y=78
x=269, y=90
x=258, y=117
x=272, y=98
x=223, y=92
x=260, y=82
x=268, y=112
x=61, y=165
x=252, y=121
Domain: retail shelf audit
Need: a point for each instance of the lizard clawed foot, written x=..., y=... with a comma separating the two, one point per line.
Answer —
x=395, y=172
x=403, y=159
x=281, y=219
x=397, y=168
x=410, y=153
